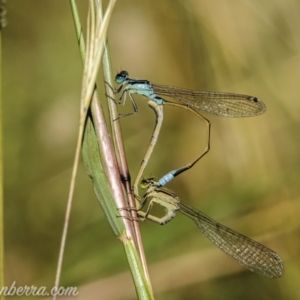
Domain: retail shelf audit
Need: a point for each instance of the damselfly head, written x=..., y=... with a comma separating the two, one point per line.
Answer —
x=148, y=182
x=121, y=77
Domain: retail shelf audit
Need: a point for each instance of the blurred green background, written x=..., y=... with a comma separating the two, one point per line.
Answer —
x=249, y=180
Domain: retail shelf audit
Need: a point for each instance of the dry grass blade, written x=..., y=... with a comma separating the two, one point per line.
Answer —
x=94, y=53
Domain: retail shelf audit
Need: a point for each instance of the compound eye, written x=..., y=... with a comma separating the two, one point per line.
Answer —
x=121, y=77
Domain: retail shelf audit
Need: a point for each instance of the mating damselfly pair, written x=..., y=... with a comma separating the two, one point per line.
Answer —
x=247, y=252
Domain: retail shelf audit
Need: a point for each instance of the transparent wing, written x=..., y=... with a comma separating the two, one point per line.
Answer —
x=252, y=255
x=221, y=104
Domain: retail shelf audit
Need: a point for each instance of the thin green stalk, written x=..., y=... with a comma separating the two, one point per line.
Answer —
x=3, y=23
x=1, y=181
